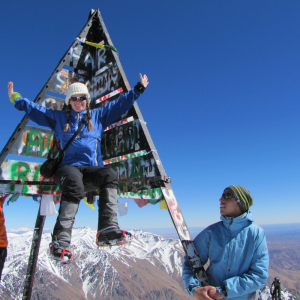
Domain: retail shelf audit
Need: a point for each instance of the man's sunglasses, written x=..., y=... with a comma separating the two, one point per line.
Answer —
x=81, y=98
x=227, y=195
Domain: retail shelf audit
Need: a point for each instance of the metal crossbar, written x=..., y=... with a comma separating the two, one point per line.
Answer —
x=163, y=179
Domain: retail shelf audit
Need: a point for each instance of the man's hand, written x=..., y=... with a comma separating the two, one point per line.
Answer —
x=214, y=294
x=10, y=88
x=144, y=80
x=203, y=293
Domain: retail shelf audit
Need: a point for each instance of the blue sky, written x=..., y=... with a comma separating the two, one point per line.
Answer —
x=222, y=105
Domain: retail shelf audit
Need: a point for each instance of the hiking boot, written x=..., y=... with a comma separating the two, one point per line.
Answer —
x=115, y=237
x=58, y=253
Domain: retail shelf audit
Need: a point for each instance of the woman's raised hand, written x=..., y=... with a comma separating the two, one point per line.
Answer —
x=144, y=80
x=10, y=88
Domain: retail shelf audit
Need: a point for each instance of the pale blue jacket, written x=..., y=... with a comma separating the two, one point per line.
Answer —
x=238, y=254
x=85, y=150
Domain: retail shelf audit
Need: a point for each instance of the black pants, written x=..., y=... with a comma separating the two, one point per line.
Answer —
x=3, y=254
x=73, y=182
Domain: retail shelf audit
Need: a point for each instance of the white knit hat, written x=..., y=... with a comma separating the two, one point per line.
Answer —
x=77, y=88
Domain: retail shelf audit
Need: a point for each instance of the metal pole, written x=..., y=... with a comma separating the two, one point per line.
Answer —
x=34, y=252
x=185, y=237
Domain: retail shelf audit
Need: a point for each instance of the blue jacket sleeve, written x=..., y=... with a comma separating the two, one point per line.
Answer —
x=37, y=113
x=188, y=276
x=116, y=108
x=257, y=275
x=201, y=242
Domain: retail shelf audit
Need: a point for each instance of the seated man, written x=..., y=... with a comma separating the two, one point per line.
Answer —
x=237, y=250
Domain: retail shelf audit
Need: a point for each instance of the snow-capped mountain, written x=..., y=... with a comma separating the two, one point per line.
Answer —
x=148, y=268
x=264, y=294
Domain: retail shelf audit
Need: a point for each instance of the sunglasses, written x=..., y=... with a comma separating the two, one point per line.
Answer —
x=227, y=195
x=81, y=98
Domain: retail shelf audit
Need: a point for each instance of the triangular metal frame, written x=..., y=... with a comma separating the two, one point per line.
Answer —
x=159, y=179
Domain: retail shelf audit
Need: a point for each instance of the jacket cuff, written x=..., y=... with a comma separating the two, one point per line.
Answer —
x=222, y=290
x=139, y=87
x=14, y=96
x=192, y=289
x=136, y=92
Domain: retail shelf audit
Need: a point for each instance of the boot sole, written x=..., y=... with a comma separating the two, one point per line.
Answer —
x=116, y=242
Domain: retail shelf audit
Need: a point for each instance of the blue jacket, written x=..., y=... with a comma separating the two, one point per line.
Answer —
x=238, y=254
x=85, y=150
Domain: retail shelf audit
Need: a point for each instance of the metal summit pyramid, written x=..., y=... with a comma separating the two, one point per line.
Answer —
x=126, y=145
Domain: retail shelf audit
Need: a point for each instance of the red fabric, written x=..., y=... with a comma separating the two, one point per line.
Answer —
x=141, y=202
x=3, y=236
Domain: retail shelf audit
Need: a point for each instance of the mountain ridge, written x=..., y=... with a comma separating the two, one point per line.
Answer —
x=148, y=268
